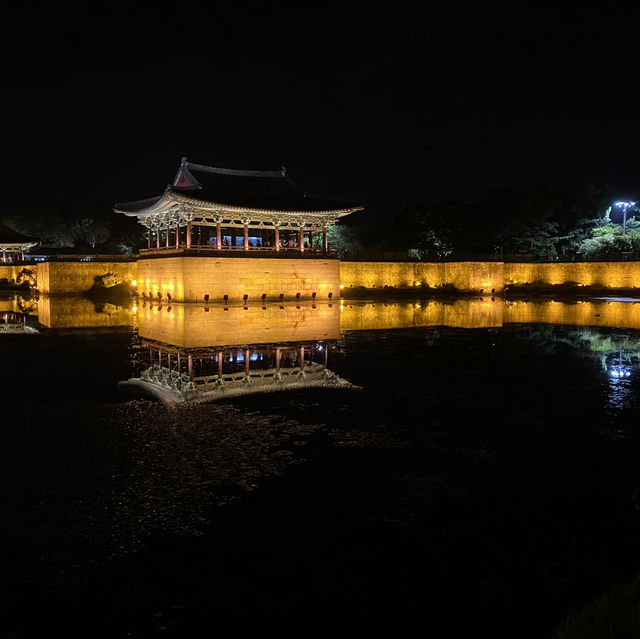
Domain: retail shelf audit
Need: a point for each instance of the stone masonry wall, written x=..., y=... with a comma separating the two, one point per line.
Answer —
x=190, y=279
x=465, y=276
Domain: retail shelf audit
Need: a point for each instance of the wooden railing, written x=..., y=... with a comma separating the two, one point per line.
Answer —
x=238, y=251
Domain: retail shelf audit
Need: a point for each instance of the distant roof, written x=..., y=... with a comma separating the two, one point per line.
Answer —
x=272, y=190
x=9, y=236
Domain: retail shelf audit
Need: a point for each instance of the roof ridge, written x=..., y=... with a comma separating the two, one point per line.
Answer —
x=239, y=172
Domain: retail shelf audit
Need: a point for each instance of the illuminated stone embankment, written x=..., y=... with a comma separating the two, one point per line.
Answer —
x=463, y=276
x=69, y=278
x=621, y=275
x=485, y=276
x=189, y=279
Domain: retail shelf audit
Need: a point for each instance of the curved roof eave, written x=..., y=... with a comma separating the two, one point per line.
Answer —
x=341, y=212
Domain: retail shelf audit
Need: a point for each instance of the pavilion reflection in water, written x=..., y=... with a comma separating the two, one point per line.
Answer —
x=17, y=316
x=206, y=354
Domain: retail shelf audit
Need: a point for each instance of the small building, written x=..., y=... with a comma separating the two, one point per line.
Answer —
x=235, y=210
x=14, y=244
x=210, y=224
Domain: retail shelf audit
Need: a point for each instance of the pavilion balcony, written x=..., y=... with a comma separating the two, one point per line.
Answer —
x=208, y=250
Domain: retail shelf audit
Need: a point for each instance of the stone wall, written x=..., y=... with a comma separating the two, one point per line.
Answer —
x=9, y=271
x=465, y=276
x=189, y=279
x=72, y=278
x=605, y=274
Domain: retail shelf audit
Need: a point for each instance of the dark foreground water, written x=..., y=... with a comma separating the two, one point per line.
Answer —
x=481, y=480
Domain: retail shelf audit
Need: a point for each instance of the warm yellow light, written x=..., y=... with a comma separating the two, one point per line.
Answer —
x=134, y=309
x=134, y=282
x=341, y=285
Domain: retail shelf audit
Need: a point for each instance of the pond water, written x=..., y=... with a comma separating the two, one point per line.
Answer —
x=470, y=465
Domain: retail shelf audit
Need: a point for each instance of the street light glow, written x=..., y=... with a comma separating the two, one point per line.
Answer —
x=624, y=206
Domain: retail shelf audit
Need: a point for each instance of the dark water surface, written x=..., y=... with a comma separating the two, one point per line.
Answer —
x=482, y=478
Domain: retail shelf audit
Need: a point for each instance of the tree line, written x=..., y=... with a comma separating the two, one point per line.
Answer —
x=72, y=230
x=544, y=223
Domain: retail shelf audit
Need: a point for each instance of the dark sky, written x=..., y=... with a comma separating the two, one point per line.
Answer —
x=385, y=108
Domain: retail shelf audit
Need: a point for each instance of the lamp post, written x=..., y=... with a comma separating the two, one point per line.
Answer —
x=624, y=206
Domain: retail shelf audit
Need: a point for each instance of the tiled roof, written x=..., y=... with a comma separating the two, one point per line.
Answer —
x=9, y=236
x=138, y=205
x=269, y=190
x=251, y=189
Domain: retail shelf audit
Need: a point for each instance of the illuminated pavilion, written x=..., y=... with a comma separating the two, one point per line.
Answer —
x=247, y=213
x=14, y=244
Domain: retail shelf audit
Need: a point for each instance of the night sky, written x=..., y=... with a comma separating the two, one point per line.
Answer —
x=386, y=109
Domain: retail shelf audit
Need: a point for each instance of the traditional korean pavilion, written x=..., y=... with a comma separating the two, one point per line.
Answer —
x=256, y=213
x=14, y=244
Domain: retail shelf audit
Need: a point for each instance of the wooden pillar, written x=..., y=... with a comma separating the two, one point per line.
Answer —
x=247, y=359
x=149, y=234
x=302, y=358
x=278, y=355
x=177, y=237
x=158, y=237
x=325, y=241
x=189, y=237
x=218, y=235
x=246, y=237
x=167, y=238
x=326, y=355
x=277, y=237
x=190, y=368
x=220, y=355
x=301, y=239
x=4, y=256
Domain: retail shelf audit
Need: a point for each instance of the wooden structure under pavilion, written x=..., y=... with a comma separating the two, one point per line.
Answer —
x=236, y=212
x=14, y=244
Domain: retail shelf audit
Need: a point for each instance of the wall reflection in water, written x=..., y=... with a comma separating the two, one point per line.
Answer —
x=192, y=325
x=192, y=351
